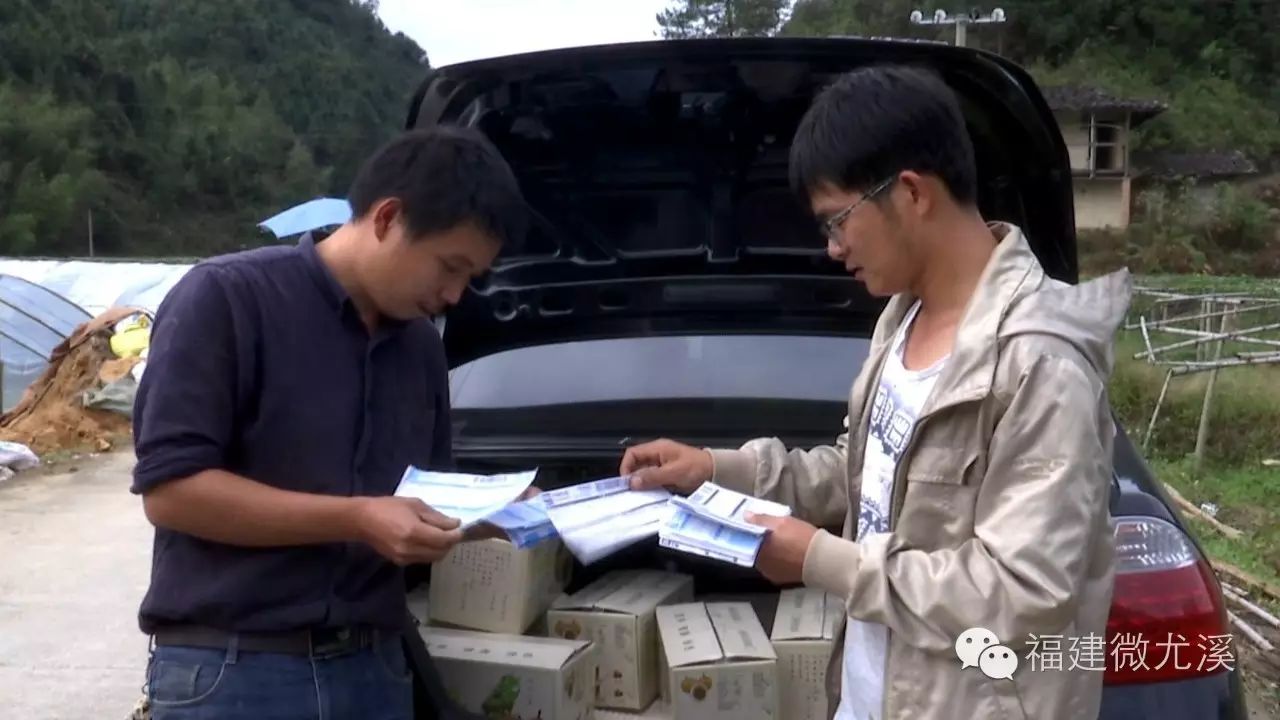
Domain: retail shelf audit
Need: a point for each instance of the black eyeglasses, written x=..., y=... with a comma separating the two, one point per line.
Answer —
x=832, y=224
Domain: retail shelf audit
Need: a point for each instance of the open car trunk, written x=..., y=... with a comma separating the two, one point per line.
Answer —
x=657, y=178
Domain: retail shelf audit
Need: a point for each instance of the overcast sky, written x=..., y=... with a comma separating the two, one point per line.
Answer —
x=458, y=30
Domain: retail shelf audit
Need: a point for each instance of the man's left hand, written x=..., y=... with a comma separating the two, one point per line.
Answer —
x=781, y=557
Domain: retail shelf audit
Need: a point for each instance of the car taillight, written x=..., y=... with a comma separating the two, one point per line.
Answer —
x=1167, y=616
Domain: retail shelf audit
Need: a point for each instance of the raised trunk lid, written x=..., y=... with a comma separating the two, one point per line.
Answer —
x=657, y=175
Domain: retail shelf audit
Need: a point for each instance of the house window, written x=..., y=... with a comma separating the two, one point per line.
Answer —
x=1106, y=147
x=1106, y=152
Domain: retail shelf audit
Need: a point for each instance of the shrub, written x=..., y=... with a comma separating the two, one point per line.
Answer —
x=1178, y=228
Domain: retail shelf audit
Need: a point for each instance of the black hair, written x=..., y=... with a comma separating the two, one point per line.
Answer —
x=875, y=122
x=444, y=176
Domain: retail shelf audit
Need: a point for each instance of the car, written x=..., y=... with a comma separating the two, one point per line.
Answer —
x=672, y=285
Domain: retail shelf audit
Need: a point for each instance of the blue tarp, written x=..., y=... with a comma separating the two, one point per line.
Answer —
x=310, y=215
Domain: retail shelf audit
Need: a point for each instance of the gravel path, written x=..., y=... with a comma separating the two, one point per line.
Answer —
x=76, y=552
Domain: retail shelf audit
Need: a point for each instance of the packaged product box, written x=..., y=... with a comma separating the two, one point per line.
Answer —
x=492, y=585
x=616, y=612
x=804, y=632
x=718, y=662
x=657, y=710
x=515, y=676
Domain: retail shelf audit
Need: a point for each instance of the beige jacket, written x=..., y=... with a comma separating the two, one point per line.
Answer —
x=999, y=516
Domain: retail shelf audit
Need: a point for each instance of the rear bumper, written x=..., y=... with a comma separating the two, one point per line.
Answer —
x=1217, y=697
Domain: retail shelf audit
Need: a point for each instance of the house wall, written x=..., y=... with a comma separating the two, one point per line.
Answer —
x=1112, y=132
x=1075, y=133
x=1102, y=189
x=1102, y=202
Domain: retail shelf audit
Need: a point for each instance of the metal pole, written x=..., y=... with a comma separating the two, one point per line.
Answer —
x=1202, y=433
x=960, y=21
x=1208, y=338
x=1155, y=414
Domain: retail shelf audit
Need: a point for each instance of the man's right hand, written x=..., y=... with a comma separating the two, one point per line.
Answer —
x=406, y=531
x=666, y=464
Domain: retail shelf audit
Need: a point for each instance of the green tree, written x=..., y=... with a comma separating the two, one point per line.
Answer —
x=47, y=178
x=180, y=123
x=1205, y=111
x=722, y=18
x=1215, y=63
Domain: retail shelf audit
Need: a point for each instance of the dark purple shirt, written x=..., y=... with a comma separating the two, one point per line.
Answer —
x=259, y=365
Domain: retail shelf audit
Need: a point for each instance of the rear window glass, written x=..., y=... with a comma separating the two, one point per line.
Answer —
x=781, y=367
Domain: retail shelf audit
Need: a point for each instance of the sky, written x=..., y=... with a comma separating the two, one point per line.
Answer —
x=459, y=30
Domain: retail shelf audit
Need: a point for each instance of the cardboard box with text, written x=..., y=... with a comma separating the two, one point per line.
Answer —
x=515, y=676
x=718, y=662
x=491, y=585
x=804, y=631
x=658, y=710
x=616, y=612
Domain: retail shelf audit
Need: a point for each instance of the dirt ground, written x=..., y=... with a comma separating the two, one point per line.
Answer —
x=58, y=420
x=1260, y=672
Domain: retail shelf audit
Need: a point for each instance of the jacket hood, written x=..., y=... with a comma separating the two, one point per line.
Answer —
x=1086, y=315
x=1015, y=296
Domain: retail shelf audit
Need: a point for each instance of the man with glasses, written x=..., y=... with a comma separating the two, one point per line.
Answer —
x=972, y=478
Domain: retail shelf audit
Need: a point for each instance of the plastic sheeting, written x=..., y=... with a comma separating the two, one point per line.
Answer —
x=33, y=320
x=116, y=396
x=96, y=286
x=15, y=457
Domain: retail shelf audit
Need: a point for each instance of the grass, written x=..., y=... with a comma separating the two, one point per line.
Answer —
x=1213, y=283
x=1244, y=421
x=1245, y=416
x=1244, y=427
x=1246, y=500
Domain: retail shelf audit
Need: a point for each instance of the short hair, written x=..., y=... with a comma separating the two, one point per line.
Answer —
x=444, y=176
x=875, y=122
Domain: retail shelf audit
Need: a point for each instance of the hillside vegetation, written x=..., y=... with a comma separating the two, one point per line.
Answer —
x=179, y=124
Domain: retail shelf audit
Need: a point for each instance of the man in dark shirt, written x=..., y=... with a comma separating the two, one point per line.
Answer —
x=287, y=389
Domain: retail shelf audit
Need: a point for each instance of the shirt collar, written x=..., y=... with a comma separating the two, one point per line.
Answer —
x=336, y=295
x=332, y=290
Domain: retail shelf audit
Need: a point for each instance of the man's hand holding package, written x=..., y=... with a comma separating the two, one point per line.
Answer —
x=666, y=464
x=406, y=530
x=781, y=557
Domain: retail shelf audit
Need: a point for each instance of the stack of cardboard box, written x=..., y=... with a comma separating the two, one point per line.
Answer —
x=481, y=620
x=633, y=645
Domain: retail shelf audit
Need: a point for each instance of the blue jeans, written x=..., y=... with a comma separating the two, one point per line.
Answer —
x=203, y=684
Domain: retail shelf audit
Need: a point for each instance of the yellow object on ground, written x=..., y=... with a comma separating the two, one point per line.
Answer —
x=132, y=337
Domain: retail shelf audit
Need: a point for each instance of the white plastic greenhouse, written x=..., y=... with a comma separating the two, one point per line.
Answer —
x=96, y=286
x=42, y=301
